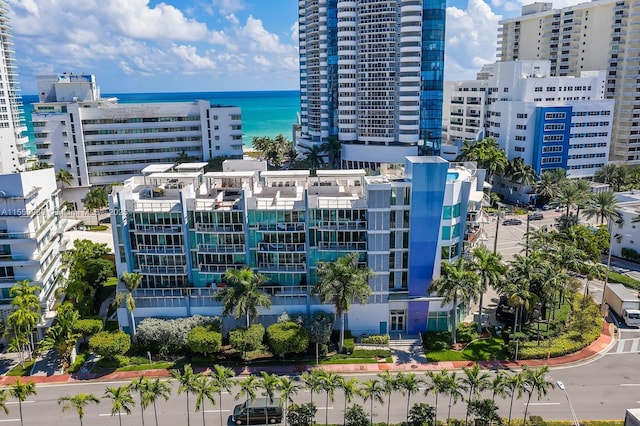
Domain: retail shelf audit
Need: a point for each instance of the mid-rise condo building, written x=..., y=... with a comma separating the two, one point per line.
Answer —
x=183, y=230
x=550, y=122
x=101, y=141
x=30, y=238
x=371, y=75
x=597, y=35
x=13, y=129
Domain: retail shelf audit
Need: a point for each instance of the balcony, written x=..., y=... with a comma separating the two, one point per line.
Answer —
x=149, y=249
x=342, y=226
x=157, y=229
x=342, y=246
x=221, y=248
x=162, y=270
x=220, y=268
x=281, y=247
x=282, y=227
x=205, y=227
x=5, y=235
x=287, y=267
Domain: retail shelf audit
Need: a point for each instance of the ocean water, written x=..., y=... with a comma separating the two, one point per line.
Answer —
x=265, y=113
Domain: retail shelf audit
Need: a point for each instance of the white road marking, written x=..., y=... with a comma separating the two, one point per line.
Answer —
x=322, y=408
x=109, y=414
x=620, y=346
x=16, y=402
x=9, y=420
x=629, y=384
x=634, y=345
x=216, y=411
x=543, y=403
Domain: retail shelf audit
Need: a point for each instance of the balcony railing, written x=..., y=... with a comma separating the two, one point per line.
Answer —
x=283, y=227
x=158, y=228
x=279, y=247
x=149, y=249
x=330, y=245
x=221, y=248
x=205, y=227
x=351, y=225
x=220, y=268
x=163, y=270
x=288, y=267
x=4, y=235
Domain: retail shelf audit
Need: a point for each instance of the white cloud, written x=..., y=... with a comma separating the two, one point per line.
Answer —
x=192, y=60
x=229, y=6
x=233, y=19
x=261, y=39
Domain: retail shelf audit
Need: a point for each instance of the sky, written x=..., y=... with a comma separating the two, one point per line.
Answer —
x=134, y=46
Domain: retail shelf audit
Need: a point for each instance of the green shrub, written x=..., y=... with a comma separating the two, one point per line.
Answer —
x=301, y=415
x=631, y=254
x=356, y=416
x=376, y=339
x=204, y=339
x=165, y=337
x=436, y=340
x=245, y=340
x=421, y=414
x=615, y=277
x=467, y=332
x=335, y=335
x=110, y=345
x=371, y=353
x=287, y=337
x=88, y=327
x=349, y=345
x=81, y=358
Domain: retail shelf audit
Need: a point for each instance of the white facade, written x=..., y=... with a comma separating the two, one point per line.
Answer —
x=520, y=105
x=30, y=236
x=626, y=233
x=100, y=141
x=597, y=35
x=13, y=131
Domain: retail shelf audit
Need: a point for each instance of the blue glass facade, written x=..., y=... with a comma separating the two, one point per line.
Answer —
x=551, y=138
x=332, y=62
x=428, y=176
x=432, y=75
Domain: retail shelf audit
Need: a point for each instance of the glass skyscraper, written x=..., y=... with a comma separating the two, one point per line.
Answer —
x=371, y=76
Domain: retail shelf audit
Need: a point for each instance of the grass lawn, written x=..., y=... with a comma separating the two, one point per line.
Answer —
x=18, y=370
x=480, y=350
x=153, y=366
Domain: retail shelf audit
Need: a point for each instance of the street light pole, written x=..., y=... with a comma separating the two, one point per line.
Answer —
x=573, y=413
x=606, y=276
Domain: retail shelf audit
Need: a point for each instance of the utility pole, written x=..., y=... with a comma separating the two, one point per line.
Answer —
x=495, y=240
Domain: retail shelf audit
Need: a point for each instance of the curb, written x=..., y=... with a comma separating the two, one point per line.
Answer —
x=594, y=351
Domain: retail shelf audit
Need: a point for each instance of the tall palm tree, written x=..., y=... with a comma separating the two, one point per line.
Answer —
x=203, y=388
x=185, y=384
x=349, y=389
x=476, y=381
x=63, y=177
x=516, y=387
x=121, y=400
x=131, y=283
x=342, y=283
x=270, y=384
x=409, y=384
x=78, y=402
x=490, y=269
x=535, y=381
x=141, y=385
x=157, y=389
x=4, y=395
x=248, y=389
x=97, y=199
x=604, y=206
x=568, y=195
x=456, y=283
x=372, y=390
x=25, y=314
x=453, y=389
x=313, y=381
x=613, y=175
x=288, y=389
x=437, y=385
x=520, y=173
x=329, y=383
x=314, y=156
x=547, y=186
x=221, y=378
x=487, y=153
x=333, y=148
x=243, y=294
x=500, y=385
x=390, y=385
x=21, y=391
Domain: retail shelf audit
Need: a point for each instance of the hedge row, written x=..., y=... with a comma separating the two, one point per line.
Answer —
x=376, y=339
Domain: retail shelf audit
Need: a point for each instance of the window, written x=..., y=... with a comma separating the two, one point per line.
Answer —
x=557, y=126
x=554, y=115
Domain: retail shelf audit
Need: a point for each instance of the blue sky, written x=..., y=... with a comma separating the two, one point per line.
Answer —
x=205, y=45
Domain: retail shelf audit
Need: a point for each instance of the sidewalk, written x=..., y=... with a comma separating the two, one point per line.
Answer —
x=601, y=345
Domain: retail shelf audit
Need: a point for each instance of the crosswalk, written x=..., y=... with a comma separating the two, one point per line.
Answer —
x=626, y=346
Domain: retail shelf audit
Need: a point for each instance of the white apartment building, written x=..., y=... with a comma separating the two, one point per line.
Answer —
x=371, y=75
x=183, y=230
x=550, y=122
x=13, y=130
x=625, y=234
x=597, y=35
x=100, y=141
x=30, y=237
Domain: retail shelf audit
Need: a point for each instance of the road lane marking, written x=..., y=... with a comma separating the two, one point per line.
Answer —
x=112, y=415
x=9, y=420
x=16, y=402
x=629, y=384
x=322, y=408
x=216, y=411
x=634, y=345
x=620, y=346
x=543, y=403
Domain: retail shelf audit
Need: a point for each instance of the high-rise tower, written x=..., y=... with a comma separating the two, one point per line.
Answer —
x=13, y=154
x=371, y=75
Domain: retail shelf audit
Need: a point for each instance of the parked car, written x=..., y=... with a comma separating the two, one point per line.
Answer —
x=536, y=216
x=512, y=222
x=260, y=411
x=546, y=207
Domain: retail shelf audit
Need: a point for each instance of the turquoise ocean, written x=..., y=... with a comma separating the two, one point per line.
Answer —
x=264, y=113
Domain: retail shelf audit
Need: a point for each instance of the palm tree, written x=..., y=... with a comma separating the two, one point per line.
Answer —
x=248, y=389
x=604, y=206
x=270, y=384
x=490, y=269
x=372, y=390
x=203, y=388
x=487, y=153
x=96, y=199
x=342, y=283
x=500, y=385
x=63, y=177
x=568, y=195
x=476, y=381
x=520, y=173
x=141, y=385
x=185, y=384
x=221, y=378
x=349, y=389
x=535, y=381
x=313, y=381
x=438, y=385
x=390, y=385
x=314, y=156
x=25, y=315
x=21, y=391
x=456, y=282
x=131, y=283
x=333, y=148
x=330, y=382
x=121, y=400
x=243, y=294
x=157, y=389
x=4, y=395
x=78, y=402
x=409, y=384
x=612, y=175
x=288, y=389
x=453, y=389
x=547, y=186
x=183, y=157
x=516, y=387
